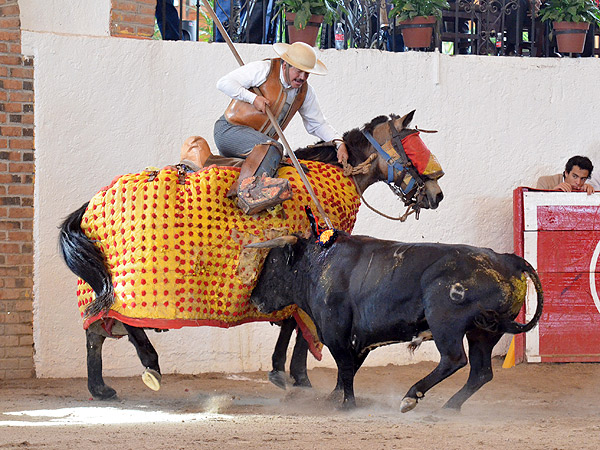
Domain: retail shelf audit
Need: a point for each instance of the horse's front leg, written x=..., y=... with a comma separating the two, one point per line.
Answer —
x=96, y=385
x=298, y=363
x=277, y=375
x=148, y=356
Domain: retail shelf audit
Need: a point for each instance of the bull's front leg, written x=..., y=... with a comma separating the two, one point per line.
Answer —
x=337, y=393
x=345, y=365
x=96, y=385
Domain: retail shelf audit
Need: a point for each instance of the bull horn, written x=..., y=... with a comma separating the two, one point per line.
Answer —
x=281, y=241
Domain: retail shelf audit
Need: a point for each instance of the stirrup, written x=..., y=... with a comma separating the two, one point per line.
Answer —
x=255, y=194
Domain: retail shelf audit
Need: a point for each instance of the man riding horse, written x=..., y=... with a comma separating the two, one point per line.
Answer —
x=244, y=130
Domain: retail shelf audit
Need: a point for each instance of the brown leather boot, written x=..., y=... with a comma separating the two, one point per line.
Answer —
x=255, y=189
x=256, y=194
x=264, y=158
x=194, y=153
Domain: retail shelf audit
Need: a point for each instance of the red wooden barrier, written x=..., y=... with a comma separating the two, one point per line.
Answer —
x=559, y=234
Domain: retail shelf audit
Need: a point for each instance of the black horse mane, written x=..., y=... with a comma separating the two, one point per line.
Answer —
x=355, y=142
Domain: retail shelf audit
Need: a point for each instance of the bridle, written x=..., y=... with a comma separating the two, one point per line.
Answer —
x=394, y=155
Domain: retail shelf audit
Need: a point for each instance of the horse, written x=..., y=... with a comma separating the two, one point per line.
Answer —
x=117, y=259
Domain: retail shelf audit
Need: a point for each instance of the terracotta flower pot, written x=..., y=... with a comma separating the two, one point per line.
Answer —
x=307, y=34
x=570, y=36
x=417, y=32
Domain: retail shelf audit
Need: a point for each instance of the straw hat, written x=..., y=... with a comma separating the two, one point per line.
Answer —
x=302, y=56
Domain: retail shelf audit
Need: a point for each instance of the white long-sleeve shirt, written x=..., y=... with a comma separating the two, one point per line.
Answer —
x=236, y=84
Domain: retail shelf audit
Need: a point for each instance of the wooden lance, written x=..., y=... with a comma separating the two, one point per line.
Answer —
x=278, y=129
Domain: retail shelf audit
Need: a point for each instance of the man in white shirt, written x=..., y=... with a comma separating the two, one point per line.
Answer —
x=244, y=130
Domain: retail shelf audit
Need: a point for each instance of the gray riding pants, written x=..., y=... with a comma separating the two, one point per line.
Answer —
x=237, y=140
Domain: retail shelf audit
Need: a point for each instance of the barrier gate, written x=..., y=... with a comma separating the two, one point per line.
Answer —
x=559, y=234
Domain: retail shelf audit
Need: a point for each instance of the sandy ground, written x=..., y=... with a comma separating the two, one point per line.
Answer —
x=549, y=406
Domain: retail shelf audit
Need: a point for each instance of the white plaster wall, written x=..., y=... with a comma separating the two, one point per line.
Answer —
x=80, y=17
x=107, y=106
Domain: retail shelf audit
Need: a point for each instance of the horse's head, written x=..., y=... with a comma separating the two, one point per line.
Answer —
x=403, y=161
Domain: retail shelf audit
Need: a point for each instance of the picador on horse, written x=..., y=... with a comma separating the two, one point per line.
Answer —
x=245, y=131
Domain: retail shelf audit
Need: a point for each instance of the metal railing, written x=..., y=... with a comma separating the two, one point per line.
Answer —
x=471, y=27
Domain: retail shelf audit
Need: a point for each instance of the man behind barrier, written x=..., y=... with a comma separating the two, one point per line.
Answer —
x=574, y=178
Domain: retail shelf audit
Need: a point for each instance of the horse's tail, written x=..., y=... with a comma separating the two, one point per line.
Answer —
x=514, y=327
x=86, y=261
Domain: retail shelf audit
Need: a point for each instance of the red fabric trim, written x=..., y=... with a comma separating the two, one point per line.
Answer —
x=175, y=324
x=168, y=324
x=310, y=338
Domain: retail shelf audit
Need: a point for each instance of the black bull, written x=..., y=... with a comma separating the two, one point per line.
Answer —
x=363, y=293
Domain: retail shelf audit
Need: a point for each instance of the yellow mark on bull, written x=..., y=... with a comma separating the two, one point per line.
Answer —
x=519, y=291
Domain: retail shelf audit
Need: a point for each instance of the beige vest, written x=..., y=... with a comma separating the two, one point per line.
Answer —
x=549, y=182
x=243, y=113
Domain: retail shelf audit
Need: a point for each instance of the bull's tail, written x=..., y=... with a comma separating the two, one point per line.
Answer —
x=86, y=261
x=499, y=322
x=514, y=327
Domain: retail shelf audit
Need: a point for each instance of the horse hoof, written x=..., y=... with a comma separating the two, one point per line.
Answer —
x=152, y=379
x=278, y=379
x=103, y=393
x=408, y=403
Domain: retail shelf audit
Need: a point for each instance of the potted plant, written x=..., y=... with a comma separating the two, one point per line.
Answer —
x=304, y=17
x=416, y=19
x=570, y=21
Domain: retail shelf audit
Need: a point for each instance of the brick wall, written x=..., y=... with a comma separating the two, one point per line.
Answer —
x=16, y=199
x=132, y=18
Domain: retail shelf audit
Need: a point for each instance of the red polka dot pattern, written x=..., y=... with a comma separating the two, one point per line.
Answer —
x=173, y=249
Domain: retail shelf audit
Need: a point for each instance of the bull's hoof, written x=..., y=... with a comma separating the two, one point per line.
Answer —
x=152, y=379
x=337, y=395
x=302, y=381
x=278, y=378
x=348, y=405
x=408, y=404
x=103, y=392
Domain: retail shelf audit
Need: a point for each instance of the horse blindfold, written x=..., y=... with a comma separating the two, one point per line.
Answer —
x=423, y=160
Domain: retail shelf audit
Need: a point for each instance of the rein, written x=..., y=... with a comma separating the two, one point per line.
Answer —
x=395, y=156
x=411, y=208
x=363, y=168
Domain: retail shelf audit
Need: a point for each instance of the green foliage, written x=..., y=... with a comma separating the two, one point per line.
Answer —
x=570, y=11
x=206, y=25
x=409, y=9
x=306, y=8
